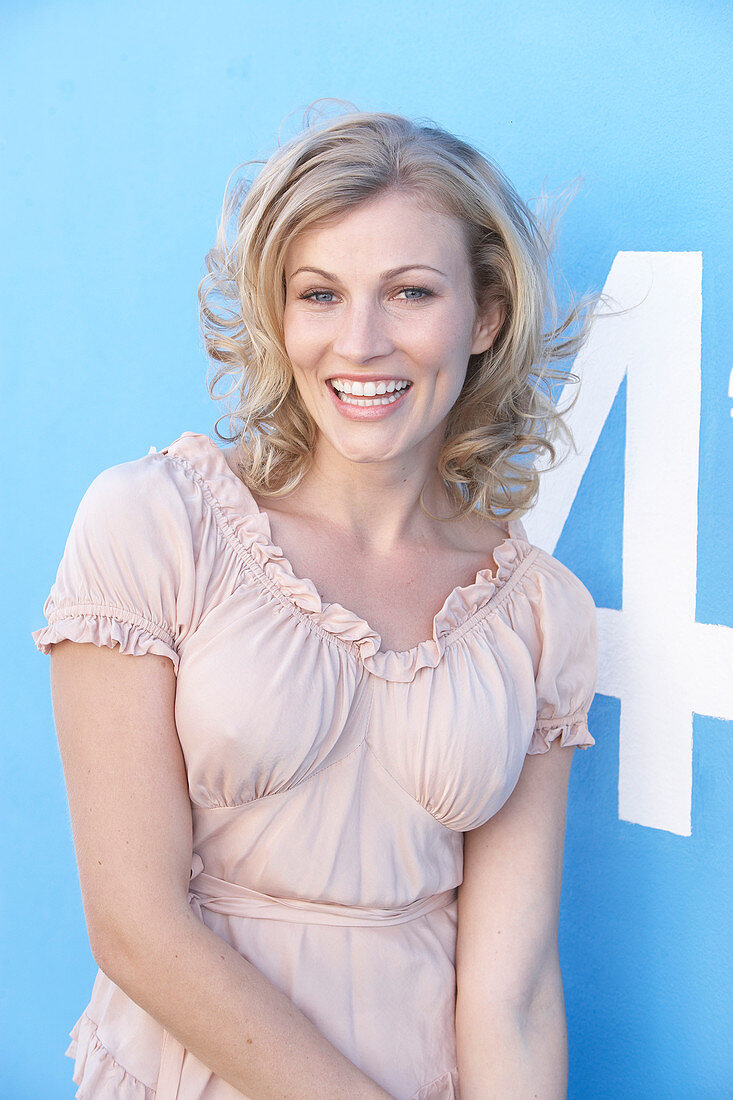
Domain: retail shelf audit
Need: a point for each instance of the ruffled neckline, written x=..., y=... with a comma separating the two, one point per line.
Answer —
x=250, y=526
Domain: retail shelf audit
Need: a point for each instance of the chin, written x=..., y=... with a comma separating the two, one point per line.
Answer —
x=366, y=454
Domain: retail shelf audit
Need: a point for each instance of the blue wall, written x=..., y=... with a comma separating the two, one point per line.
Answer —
x=121, y=124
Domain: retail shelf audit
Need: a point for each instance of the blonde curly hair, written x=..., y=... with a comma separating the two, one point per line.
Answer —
x=505, y=415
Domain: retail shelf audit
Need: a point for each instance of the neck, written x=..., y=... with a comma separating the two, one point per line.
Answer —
x=377, y=504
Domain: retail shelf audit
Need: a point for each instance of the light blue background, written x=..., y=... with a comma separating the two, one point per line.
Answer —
x=121, y=123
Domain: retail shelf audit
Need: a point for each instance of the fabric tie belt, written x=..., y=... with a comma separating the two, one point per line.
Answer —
x=233, y=900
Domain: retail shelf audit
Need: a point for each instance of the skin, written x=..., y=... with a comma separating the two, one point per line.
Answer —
x=356, y=527
x=419, y=325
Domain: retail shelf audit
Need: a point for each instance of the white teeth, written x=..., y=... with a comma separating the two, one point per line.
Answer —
x=369, y=389
x=348, y=399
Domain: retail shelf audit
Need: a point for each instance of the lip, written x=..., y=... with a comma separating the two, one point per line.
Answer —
x=367, y=412
x=369, y=377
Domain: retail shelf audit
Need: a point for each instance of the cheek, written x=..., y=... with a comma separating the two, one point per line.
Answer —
x=302, y=343
x=292, y=336
x=446, y=343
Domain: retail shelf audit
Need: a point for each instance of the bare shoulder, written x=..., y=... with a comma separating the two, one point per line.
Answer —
x=231, y=457
x=475, y=535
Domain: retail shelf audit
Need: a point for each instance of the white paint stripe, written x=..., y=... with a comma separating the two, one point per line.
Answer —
x=661, y=342
x=711, y=670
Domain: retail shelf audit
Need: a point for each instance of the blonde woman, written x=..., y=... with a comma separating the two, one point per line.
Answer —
x=316, y=694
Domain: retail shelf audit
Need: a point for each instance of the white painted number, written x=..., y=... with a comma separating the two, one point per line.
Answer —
x=662, y=664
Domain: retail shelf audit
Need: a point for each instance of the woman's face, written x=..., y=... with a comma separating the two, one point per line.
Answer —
x=379, y=326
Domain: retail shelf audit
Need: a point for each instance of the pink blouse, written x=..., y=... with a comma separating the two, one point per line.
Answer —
x=331, y=781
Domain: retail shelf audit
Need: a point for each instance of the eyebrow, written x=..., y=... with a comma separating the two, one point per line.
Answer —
x=394, y=271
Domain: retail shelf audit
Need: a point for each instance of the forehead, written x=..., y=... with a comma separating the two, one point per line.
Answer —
x=389, y=231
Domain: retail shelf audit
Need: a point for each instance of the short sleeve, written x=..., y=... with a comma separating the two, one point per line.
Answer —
x=563, y=639
x=127, y=575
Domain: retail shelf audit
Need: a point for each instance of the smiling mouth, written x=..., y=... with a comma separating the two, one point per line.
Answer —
x=367, y=394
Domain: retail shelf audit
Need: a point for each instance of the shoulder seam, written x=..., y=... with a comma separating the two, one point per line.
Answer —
x=498, y=599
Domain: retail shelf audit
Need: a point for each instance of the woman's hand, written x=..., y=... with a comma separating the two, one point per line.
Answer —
x=131, y=820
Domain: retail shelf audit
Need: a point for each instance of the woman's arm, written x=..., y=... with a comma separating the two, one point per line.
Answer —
x=131, y=820
x=510, y=1011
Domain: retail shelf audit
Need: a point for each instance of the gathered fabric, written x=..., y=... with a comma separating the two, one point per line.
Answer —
x=331, y=781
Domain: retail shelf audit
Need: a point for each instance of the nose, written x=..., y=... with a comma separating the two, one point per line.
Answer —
x=362, y=333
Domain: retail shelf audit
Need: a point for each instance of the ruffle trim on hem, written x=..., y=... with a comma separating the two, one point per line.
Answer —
x=444, y=1087
x=244, y=522
x=96, y=1072
x=572, y=731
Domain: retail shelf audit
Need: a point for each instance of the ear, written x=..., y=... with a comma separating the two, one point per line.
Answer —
x=488, y=323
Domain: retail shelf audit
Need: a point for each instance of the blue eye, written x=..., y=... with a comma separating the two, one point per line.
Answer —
x=319, y=296
x=416, y=293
